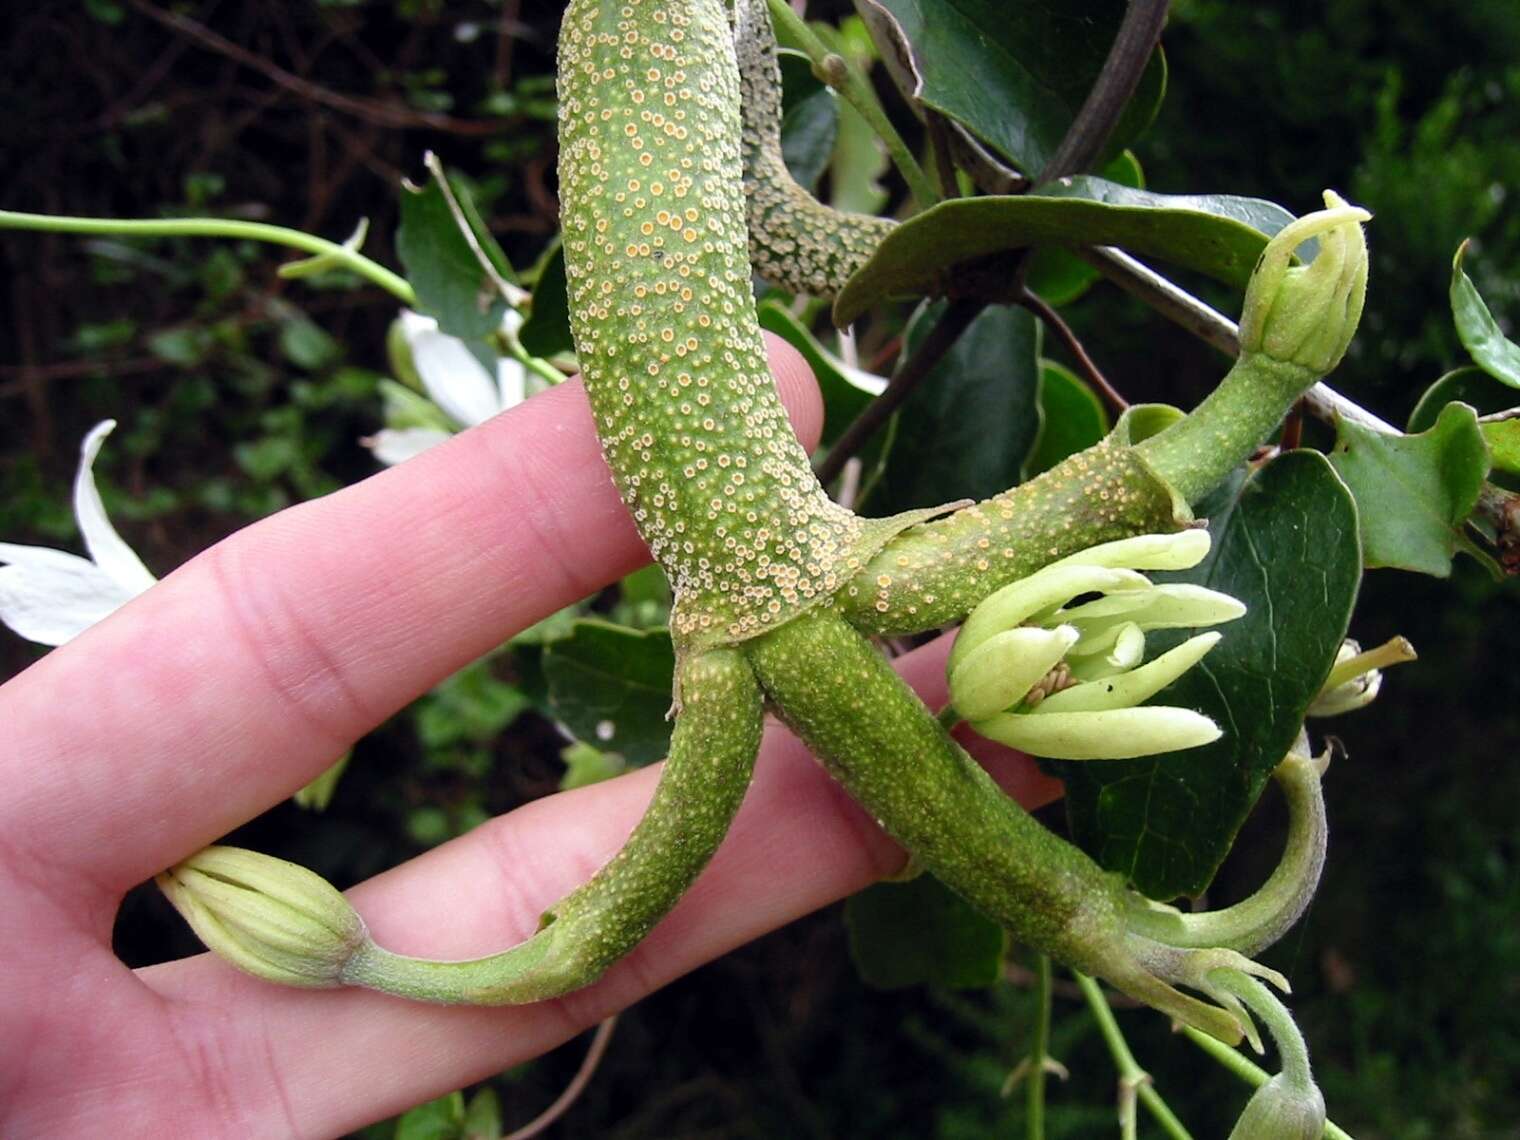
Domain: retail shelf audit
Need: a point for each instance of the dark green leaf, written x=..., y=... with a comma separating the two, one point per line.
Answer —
x=1494, y=352
x=472, y=706
x=967, y=428
x=920, y=933
x=809, y=120
x=306, y=346
x=1285, y=544
x=441, y=1119
x=1016, y=74
x=452, y=286
x=843, y=400
x=1466, y=385
x=611, y=686
x=546, y=332
x=1062, y=278
x=1219, y=235
x=1414, y=492
x=1071, y=418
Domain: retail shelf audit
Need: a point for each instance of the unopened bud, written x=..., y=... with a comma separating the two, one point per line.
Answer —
x=1307, y=314
x=266, y=916
x=1282, y=1110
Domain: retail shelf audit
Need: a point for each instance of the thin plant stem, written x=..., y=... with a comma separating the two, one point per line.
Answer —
x=350, y=259
x=845, y=77
x=956, y=318
x=1252, y=1074
x=1131, y=1075
x=512, y=294
x=1034, y=1115
x=1085, y=363
x=1094, y=122
x=573, y=1090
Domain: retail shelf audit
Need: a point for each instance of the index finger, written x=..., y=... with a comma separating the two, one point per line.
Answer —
x=243, y=674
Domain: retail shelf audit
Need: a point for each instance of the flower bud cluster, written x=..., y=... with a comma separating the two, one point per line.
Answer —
x=270, y=918
x=1054, y=663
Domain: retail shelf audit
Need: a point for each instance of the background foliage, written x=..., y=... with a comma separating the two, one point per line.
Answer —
x=240, y=392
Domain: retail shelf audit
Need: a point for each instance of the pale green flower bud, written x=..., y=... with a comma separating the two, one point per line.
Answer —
x=1356, y=677
x=1307, y=314
x=1282, y=1110
x=268, y=917
x=1034, y=671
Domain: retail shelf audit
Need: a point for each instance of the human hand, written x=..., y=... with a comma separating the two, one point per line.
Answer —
x=235, y=681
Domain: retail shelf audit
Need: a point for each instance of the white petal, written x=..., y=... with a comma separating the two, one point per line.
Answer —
x=49, y=597
x=1019, y=601
x=511, y=381
x=999, y=672
x=396, y=445
x=413, y=324
x=457, y=382
x=1129, y=689
x=1178, y=551
x=106, y=547
x=1115, y=734
x=511, y=321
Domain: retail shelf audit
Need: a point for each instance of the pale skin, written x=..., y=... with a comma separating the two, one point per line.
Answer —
x=235, y=681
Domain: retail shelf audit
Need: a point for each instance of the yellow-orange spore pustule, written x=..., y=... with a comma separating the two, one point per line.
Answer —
x=664, y=321
x=794, y=240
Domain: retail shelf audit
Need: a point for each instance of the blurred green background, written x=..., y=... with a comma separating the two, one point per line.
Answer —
x=239, y=392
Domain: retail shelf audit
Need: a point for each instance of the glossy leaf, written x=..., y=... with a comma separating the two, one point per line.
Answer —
x=921, y=933
x=1466, y=385
x=843, y=398
x=1503, y=439
x=1414, y=492
x=1059, y=276
x=546, y=332
x=1218, y=235
x=1493, y=352
x=611, y=686
x=1016, y=74
x=1072, y=418
x=452, y=286
x=967, y=428
x=1285, y=544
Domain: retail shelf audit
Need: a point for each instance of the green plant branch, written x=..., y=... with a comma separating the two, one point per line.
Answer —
x=349, y=259
x=847, y=79
x=1130, y=1071
x=1253, y=1074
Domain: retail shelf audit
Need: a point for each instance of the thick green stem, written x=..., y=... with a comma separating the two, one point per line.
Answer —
x=1195, y=454
x=876, y=738
x=1257, y=922
x=349, y=259
x=795, y=240
x=842, y=75
x=712, y=753
x=938, y=572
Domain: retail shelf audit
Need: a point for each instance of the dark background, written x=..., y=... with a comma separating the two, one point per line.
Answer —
x=239, y=393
